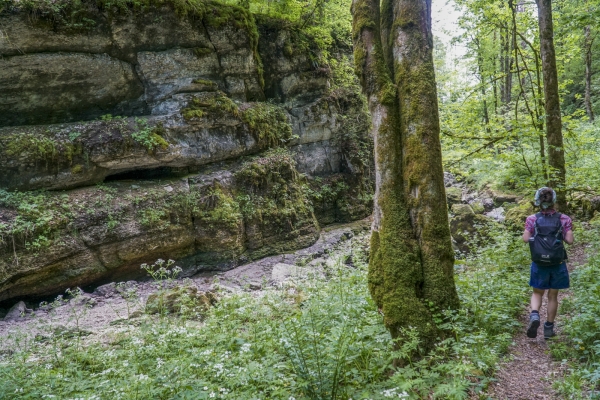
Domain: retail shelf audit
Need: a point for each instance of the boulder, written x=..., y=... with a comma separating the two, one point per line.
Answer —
x=453, y=195
x=17, y=312
x=516, y=216
x=85, y=300
x=107, y=290
x=467, y=228
x=449, y=179
x=462, y=210
x=477, y=207
x=501, y=198
x=488, y=204
x=590, y=206
x=496, y=214
x=595, y=221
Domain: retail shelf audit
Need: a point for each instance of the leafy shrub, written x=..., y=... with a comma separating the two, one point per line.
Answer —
x=149, y=137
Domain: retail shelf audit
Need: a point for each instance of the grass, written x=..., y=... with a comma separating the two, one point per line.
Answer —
x=312, y=338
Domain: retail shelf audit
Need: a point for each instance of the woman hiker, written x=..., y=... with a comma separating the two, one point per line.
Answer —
x=545, y=232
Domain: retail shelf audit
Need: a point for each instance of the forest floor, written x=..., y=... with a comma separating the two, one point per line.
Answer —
x=529, y=370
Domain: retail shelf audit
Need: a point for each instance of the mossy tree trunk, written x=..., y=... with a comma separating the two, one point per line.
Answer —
x=411, y=264
x=556, y=154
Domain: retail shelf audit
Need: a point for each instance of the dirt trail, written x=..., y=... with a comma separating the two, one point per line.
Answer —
x=529, y=370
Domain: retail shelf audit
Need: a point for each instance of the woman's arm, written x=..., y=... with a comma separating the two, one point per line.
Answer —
x=569, y=237
x=527, y=235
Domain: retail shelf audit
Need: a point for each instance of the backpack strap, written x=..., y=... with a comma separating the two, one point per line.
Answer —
x=535, y=225
x=560, y=230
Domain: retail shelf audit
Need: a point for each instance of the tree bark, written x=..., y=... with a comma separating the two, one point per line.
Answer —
x=411, y=259
x=556, y=156
x=421, y=148
x=588, y=41
x=486, y=116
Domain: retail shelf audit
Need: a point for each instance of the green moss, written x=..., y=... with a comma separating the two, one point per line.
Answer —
x=77, y=169
x=210, y=85
x=36, y=146
x=272, y=191
x=189, y=113
x=478, y=207
x=31, y=145
x=269, y=123
x=288, y=50
x=202, y=51
x=461, y=210
x=395, y=276
x=217, y=208
x=210, y=105
x=516, y=216
x=453, y=196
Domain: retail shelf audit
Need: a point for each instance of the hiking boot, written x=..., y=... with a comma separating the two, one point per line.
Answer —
x=534, y=324
x=549, y=331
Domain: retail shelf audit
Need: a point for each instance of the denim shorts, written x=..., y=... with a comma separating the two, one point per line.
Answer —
x=549, y=277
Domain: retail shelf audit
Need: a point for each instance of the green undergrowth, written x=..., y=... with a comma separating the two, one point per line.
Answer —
x=318, y=337
x=149, y=136
x=578, y=346
x=37, y=217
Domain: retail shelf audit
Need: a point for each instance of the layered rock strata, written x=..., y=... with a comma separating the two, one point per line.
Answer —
x=199, y=135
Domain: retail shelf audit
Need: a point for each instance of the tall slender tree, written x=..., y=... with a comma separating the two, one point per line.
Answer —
x=411, y=263
x=587, y=47
x=556, y=155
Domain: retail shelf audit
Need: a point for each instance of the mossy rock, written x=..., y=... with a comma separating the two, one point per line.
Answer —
x=516, y=216
x=589, y=206
x=477, y=207
x=502, y=198
x=468, y=229
x=462, y=210
x=180, y=300
x=595, y=221
x=453, y=196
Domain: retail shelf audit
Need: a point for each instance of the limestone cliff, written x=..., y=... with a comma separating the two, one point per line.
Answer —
x=206, y=135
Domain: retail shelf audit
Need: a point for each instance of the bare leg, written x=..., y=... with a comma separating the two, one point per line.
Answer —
x=552, y=304
x=536, y=300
